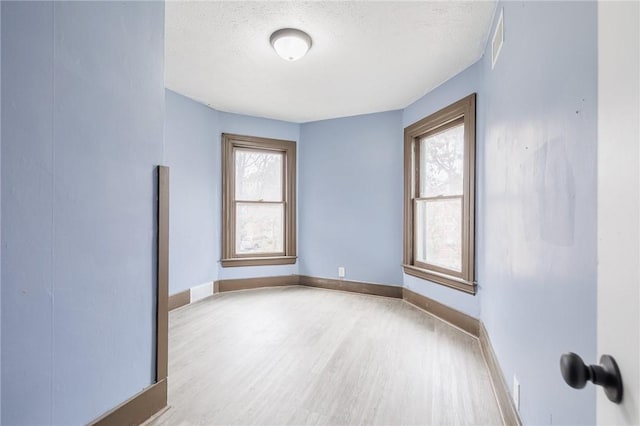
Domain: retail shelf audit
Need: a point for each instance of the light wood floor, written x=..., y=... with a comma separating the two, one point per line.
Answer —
x=297, y=355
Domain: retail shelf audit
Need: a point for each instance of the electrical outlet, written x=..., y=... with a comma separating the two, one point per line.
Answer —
x=340, y=271
x=516, y=392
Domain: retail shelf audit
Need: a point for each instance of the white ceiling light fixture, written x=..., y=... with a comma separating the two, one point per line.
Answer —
x=291, y=44
x=361, y=54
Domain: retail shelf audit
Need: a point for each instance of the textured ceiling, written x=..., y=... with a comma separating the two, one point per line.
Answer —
x=366, y=56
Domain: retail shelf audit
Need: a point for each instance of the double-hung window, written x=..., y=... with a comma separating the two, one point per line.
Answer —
x=439, y=196
x=258, y=201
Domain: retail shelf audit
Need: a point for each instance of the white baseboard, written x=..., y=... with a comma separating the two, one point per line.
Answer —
x=201, y=291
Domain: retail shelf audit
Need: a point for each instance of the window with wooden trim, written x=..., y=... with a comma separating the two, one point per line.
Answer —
x=439, y=196
x=258, y=201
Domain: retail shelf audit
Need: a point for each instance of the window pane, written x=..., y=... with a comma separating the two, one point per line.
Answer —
x=442, y=162
x=258, y=175
x=439, y=232
x=259, y=228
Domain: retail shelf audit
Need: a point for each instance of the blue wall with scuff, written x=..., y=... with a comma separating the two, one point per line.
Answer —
x=350, y=203
x=535, y=201
x=82, y=114
x=537, y=229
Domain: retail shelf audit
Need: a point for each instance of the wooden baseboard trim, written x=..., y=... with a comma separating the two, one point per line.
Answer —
x=137, y=409
x=179, y=299
x=352, y=286
x=251, y=283
x=305, y=280
x=461, y=320
x=508, y=410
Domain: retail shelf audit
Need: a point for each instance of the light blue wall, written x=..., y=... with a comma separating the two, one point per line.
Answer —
x=535, y=201
x=27, y=204
x=256, y=126
x=456, y=88
x=266, y=128
x=192, y=151
x=350, y=203
x=537, y=251
x=82, y=108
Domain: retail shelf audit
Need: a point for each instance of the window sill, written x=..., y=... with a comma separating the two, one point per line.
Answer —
x=259, y=261
x=448, y=281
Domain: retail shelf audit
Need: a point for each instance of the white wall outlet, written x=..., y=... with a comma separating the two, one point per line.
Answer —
x=340, y=271
x=516, y=392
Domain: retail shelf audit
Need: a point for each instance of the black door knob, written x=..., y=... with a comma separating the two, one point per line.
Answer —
x=577, y=374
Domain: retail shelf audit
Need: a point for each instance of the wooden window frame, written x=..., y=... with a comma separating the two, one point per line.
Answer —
x=230, y=143
x=462, y=111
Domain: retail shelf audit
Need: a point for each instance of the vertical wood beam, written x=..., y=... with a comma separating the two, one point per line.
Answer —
x=162, y=308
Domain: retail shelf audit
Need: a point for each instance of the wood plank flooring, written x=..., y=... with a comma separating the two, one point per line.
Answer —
x=306, y=356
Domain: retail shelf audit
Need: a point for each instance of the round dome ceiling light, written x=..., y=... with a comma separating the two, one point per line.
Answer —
x=290, y=44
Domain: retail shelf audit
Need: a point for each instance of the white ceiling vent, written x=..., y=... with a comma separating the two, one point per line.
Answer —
x=498, y=40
